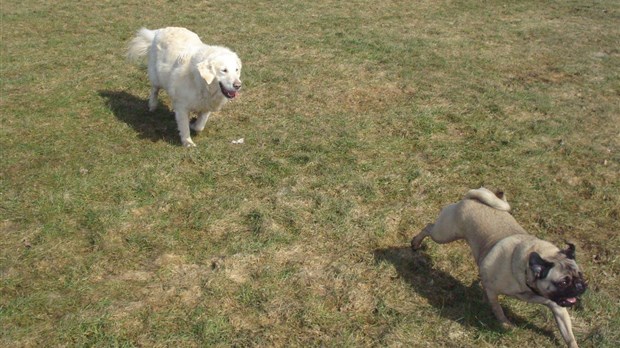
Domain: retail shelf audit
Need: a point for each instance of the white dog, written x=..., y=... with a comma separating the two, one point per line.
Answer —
x=198, y=78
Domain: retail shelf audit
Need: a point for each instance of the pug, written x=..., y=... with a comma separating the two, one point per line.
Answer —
x=510, y=261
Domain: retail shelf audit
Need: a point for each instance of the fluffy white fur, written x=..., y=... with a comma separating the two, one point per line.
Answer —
x=198, y=78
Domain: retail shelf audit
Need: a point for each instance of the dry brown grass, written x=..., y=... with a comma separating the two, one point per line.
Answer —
x=361, y=120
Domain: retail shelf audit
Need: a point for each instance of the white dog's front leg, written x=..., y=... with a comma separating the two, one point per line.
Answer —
x=200, y=123
x=182, y=118
x=153, y=98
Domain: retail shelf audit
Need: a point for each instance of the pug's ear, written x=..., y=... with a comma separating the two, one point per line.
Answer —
x=206, y=71
x=570, y=251
x=539, y=266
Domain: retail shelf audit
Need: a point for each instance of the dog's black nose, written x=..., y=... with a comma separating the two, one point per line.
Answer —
x=580, y=286
x=237, y=85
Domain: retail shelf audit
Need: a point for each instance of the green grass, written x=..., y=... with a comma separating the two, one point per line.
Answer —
x=361, y=120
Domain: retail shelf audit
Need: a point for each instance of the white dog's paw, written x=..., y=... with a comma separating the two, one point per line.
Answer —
x=152, y=104
x=195, y=128
x=188, y=142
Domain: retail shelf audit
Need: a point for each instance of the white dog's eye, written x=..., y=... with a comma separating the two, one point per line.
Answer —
x=224, y=70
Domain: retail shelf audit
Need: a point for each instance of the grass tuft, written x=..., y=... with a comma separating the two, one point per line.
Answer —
x=361, y=120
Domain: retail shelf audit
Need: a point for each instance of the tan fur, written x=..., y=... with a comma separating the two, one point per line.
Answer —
x=503, y=250
x=489, y=198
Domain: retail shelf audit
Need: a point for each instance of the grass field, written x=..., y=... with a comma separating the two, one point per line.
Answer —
x=361, y=119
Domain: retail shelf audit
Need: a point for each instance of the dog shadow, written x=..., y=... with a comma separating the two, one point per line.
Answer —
x=158, y=125
x=454, y=300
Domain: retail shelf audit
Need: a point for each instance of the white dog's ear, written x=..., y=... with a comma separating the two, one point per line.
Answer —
x=239, y=63
x=206, y=71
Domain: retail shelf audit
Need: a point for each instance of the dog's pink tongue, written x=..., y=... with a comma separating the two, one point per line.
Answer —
x=571, y=300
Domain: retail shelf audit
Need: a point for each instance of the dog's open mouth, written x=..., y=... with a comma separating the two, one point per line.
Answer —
x=567, y=302
x=230, y=94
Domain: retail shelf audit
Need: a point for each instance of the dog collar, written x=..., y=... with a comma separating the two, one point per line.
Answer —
x=534, y=290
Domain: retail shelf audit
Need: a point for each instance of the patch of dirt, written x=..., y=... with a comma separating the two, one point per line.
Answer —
x=172, y=281
x=138, y=276
x=239, y=268
x=329, y=277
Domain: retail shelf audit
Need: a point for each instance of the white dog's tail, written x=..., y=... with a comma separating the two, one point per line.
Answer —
x=139, y=46
x=493, y=200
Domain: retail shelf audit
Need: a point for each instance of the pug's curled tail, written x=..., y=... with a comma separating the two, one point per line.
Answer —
x=493, y=200
x=139, y=46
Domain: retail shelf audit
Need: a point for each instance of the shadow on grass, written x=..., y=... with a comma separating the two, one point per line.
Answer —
x=454, y=300
x=155, y=126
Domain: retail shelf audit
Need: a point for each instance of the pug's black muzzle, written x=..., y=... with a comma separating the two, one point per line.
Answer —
x=570, y=296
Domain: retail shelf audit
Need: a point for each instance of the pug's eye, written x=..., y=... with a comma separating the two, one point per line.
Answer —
x=563, y=283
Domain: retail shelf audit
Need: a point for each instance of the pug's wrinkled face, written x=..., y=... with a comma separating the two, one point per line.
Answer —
x=557, y=278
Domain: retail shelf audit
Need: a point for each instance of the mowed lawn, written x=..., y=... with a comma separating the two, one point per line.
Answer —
x=360, y=119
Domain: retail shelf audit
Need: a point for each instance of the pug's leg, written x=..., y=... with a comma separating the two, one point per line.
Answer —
x=485, y=298
x=416, y=242
x=492, y=297
x=563, y=320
